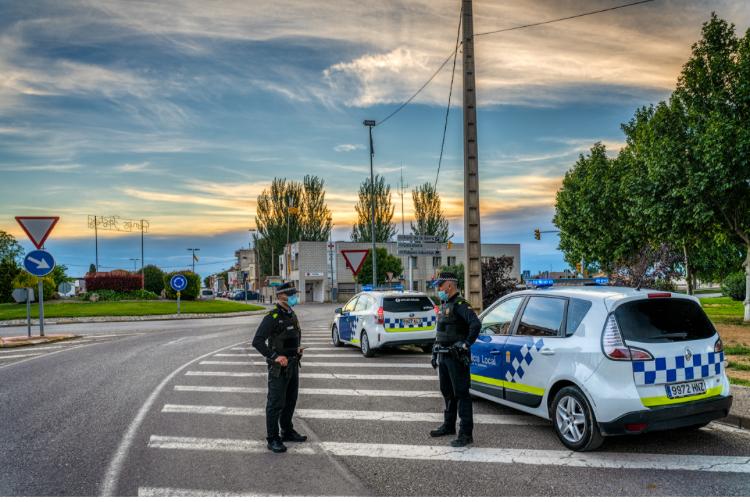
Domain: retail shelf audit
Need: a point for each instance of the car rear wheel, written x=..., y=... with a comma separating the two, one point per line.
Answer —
x=574, y=420
x=335, y=337
x=364, y=344
x=427, y=348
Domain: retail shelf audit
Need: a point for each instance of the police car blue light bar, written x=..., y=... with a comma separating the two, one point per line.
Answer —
x=542, y=283
x=603, y=281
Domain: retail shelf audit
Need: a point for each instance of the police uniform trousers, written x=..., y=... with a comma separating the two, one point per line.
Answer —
x=282, y=398
x=455, y=380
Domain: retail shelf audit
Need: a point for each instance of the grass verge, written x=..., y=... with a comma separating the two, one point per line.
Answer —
x=739, y=381
x=724, y=310
x=124, y=308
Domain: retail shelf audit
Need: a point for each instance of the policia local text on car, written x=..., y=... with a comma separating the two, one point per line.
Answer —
x=457, y=328
x=278, y=339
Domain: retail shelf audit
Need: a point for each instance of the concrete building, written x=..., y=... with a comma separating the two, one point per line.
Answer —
x=247, y=270
x=311, y=271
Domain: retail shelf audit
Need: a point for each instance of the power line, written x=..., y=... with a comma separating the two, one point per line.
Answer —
x=450, y=93
x=520, y=27
x=583, y=14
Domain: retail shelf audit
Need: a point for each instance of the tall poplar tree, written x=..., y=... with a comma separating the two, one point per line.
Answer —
x=428, y=214
x=384, y=209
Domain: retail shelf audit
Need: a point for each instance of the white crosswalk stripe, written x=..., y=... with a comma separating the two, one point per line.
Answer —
x=333, y=354
x=320, y=364
x=371, y=416
x=561, y=458
x=314, y=391
x=303, y=375
x=154, y=491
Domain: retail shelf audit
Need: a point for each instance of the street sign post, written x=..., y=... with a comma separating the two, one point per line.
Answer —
x=178, y=283
x=39, y=263
x=414, y=245
x=25, y=295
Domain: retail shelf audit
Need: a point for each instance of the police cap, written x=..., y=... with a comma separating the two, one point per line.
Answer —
x=445, y=276
x=286, y=289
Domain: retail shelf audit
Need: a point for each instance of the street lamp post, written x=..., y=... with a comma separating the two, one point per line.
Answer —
x=370, y=124
x=193, y=250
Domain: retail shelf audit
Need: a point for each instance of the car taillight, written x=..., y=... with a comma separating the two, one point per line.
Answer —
x=614, y=346
x=660, y=295
x=719, y=345
x=381, y=316
x=436, y=309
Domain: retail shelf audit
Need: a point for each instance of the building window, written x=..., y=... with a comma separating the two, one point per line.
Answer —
x=437, y=261
x=413, y=261
x=415, y=286
x=451, y=261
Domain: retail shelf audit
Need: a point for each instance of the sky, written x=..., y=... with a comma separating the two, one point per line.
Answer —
x=182, y=112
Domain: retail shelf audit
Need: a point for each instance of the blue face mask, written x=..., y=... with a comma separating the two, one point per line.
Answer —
x=292, y=300
x=443, y=296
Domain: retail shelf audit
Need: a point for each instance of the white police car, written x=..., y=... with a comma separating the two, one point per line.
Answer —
x=601, y=361
x=385, y=318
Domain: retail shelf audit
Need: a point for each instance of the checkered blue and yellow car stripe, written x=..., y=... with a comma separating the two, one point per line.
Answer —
x=396, y=325
x=663, y=370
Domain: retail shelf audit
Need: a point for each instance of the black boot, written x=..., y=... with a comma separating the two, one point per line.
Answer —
x=276, y=446
x=443, y=430
x=293, y=436
x=462, y=440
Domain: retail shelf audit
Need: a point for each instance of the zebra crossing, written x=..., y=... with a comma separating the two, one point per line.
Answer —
x=363, y=416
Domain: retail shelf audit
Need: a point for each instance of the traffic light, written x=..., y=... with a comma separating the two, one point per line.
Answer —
x=537, y=234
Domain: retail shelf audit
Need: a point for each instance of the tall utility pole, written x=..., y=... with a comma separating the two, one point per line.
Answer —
x=370, y=124
x=401, y=193
x=96, y=242
x=143, y=263
x=472, y=234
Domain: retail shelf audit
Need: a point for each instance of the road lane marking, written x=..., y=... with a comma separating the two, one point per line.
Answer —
x=370, y=416
x=557, y=458
x=218, y=444
x=321, y=364
x=153, y=491
x=332, y=376
x=22, y=355
x=314, y=392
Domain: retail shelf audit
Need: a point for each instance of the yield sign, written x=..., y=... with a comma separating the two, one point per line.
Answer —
x=354, y=258
x=37, y=228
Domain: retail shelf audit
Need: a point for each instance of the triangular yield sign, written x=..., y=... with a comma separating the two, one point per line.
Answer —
x=354, y=258
x=37, y=228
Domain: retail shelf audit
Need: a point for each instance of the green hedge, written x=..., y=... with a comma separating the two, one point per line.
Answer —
x=192, y=290
x=734, y=285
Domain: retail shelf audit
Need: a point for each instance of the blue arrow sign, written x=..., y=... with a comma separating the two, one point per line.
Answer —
x=39, y=263
x=178, y=282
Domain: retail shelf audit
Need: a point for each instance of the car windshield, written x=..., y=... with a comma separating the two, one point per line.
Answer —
x=407, y=304
x=663, y=320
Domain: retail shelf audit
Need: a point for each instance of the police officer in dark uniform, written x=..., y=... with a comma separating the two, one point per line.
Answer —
x=278, y=339
x=457, y=328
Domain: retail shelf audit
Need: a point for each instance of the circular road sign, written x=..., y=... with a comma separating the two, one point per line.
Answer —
x=39, y=263
x=64, y=288
x=178, y=282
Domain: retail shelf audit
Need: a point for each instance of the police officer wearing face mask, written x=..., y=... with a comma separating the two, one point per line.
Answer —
x=457, y=328
x=278, y=339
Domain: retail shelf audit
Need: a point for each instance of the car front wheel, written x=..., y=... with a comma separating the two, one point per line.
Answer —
x=574, y=420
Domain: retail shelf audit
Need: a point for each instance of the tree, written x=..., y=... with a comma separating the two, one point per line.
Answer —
x=714, y=93
x=384, y=208
x=9, y=248
x=26, y=280
x=153, y=279
x=310, y=218
x=190, y=292
x=386, y=263
x=9, y=269
x=591, y=212
x=428, y=213
x=496, y=279
x=60, y=274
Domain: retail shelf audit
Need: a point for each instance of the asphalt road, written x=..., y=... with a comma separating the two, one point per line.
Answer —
x=177, y=408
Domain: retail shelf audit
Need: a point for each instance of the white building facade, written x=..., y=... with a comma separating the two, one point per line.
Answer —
x=320, y=273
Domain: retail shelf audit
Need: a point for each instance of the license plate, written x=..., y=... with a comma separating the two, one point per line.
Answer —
x=678, y=390
x=410, y=322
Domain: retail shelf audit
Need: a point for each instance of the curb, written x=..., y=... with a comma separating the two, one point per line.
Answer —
x=736, y=421
x=169, y=317
x=24, y=341
x=741, y=408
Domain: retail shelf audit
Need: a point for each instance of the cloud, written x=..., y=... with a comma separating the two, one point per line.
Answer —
x=348, y=147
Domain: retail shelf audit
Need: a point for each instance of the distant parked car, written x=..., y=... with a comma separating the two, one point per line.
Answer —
x=240, y=295
x=207, y=294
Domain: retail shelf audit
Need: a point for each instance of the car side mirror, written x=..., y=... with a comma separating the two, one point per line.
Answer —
x=338, y=310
